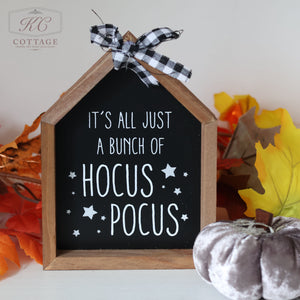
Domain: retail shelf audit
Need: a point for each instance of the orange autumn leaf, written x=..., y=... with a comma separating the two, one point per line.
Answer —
x=232, y=115
x=23, y=161
x=27, y=222
x=13, y=203
x=38, y=210
x=22, y=156
x=24, y=137
x=26, y=214
x=10, y=203
x=31, y=246
x=29, y=243
x=7, y=251
x=24, y=224
x=35, y=188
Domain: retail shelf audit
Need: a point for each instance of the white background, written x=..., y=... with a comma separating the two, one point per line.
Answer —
x=237, y=46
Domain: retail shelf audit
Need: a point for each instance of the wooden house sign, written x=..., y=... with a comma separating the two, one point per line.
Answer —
x=128, y=172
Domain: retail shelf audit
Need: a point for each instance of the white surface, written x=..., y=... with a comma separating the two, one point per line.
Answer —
x=237, y=46
x=31, y=283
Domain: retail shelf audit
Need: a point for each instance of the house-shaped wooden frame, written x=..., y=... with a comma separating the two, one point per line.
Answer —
x=55, y=259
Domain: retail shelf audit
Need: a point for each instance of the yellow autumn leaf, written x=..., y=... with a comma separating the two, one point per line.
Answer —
x=223, y=102
x=246, y=102
x=278, y=170
x=269, y=118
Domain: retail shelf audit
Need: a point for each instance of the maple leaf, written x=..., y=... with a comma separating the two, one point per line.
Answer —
x=30, y=244
x=278, y=170
x=13, y=203
x=26, y=214
x=23, y=223
x=7, y=251
x=242, y=145
x=27, y=222
x=269, y=118
x=225, y=164
x=22, y=156
x=231, y=109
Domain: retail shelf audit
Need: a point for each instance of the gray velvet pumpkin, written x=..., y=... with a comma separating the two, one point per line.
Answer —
x=246, y=262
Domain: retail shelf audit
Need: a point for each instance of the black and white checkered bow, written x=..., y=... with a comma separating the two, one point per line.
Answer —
x=124, y=53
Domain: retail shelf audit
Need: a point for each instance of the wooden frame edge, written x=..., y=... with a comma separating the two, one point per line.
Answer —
x=123, y=259
x=208, y=175
x=48, y=191
x=144, y=259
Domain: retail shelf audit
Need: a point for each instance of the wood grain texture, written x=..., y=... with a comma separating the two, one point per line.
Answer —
x=48, y=193
x=123, y=259
x=208, y=173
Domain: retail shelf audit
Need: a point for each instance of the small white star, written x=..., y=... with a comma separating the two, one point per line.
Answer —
x=184, y=217
x=89, y=212
x=169, y=171
x=73, y=193
x=163, y=186
x=98, y=231
x=72, y=175
x=185, y=174
x=68, y=211
x=177, y=191
x=103, y=218
x=76, y=232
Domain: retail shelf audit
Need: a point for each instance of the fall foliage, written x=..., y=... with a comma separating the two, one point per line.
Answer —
x=278, y=170
x=24, y=223
x=267, y=146
x=22, y=157
x=20, y=195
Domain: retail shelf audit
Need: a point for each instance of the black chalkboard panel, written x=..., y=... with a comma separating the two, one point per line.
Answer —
x=127, y=169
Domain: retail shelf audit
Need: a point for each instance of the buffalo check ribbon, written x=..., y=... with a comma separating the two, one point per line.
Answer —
x=125, y=53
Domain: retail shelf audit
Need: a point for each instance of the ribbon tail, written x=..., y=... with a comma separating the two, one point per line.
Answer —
x=141, y=72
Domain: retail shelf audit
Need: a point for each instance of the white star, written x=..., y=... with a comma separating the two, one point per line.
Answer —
x=103, y=218
x=68, y=211
x=76, y=232
x=72, y=175
x=184, y=217
x=163, y=186
x=177, y=191
x=73, y=193
x=98, y=231
x=185, y=174
x=89, y=212
x=169, y=171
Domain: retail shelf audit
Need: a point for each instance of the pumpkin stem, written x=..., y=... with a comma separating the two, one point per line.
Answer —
x=263, y=216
